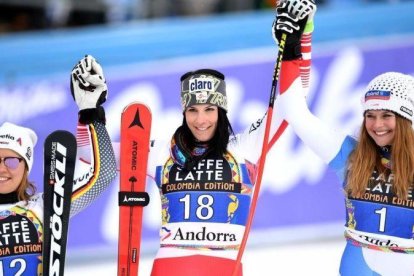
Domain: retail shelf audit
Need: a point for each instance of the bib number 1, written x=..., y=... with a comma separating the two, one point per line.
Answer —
x=382, y=213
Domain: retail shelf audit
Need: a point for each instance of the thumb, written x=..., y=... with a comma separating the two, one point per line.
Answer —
x=95, y=80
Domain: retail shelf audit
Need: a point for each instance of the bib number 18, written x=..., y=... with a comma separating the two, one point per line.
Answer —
x=204, y=209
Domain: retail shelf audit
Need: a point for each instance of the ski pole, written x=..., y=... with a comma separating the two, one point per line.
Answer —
x=262, y=159
x=278, y=133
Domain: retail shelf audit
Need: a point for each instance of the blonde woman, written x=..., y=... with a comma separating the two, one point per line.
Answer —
x=21, y=207
x=377, y=169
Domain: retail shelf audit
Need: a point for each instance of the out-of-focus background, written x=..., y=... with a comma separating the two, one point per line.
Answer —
x=145, y=46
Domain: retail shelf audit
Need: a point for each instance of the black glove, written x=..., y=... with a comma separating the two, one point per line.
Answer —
x=291, y=20
x=89, y=90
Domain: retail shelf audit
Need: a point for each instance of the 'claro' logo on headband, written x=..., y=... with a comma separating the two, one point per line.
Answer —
x=201, y=84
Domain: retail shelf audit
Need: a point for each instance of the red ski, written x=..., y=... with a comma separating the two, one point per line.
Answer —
x=135, y=138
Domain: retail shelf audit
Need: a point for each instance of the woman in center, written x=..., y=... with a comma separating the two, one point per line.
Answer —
x=205, y=175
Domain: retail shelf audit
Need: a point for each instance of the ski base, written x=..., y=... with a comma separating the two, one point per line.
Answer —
x=135, y=139
x=59, y=167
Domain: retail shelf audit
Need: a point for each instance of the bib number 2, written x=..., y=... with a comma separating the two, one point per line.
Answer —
x=18, y=263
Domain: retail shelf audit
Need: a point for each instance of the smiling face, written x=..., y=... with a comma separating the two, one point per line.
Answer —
x=202, y=121
x=380, y=125
x=10, y=179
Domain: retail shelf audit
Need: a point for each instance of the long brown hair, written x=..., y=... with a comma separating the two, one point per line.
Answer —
x=26, y=188
x=365, y=158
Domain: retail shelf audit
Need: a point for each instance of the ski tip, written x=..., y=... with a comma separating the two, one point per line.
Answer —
x=62, y=135
x=135, y=105
x=62, y=132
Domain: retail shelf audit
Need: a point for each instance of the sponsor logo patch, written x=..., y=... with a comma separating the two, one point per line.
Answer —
x=377, y=95
x=201, y=84
x=406, y=110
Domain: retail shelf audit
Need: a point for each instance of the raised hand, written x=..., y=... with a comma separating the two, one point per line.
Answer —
x=88, y=85
x=89, y=89
x=291, y=18
x=301, y=8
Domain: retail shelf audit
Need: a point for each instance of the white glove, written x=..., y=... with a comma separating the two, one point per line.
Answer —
x=301, y=8
x=290, y=24
x=293, y=17
x=88, y=85
x=285, y=21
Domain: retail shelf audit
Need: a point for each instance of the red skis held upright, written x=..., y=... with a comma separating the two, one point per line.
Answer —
x=135, y=139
